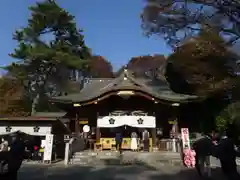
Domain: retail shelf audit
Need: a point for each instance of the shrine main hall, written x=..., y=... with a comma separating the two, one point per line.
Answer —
x=130, y=104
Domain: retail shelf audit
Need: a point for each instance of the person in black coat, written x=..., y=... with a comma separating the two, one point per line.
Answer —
x=204, y=148
x=118, y=140
x=14, y=157
x=227, y=156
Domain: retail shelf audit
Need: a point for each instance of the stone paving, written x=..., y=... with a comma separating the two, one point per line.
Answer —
x=216, y=163
x=147, y=167
x=142, y=166
x=108, y=172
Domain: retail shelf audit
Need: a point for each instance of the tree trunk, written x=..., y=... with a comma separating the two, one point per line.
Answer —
x=34, y=104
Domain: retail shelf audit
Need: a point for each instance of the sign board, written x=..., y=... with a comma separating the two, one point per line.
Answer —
x=48, y=147
x=86, y=128
x=83, y=122
x=185, y=138
x=67, y=137
x=172, y=122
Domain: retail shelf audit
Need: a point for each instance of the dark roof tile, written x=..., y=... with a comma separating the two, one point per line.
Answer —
x=97, y=87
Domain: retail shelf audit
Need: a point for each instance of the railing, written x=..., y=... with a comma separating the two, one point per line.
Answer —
x=168, y=145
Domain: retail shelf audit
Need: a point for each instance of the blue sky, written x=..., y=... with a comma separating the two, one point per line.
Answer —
x=111, y=28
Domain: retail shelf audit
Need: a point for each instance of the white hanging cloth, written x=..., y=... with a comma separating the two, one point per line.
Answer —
x=41, y=130
x=133, y=121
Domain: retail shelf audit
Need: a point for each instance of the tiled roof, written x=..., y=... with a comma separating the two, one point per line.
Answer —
x=98, y=87
x=38, y=116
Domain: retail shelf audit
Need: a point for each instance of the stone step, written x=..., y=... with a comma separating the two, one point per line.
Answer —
x=94, y=157
x=96, y=161
x=104, y=162
x=82, y=156
x=85, y=160
x=96, y=153
x=86, y=153
x=114, y=158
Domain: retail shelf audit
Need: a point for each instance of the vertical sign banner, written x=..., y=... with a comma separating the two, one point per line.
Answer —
x=185, y=138
x=188, y=154
x=48, y=148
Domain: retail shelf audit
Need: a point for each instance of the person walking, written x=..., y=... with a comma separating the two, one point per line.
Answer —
x=17, y=150
x=227, y=156
x=118, y=140
x=4, y=145
x=134, y=144
x=35, y=153
x=3, y=156
x=204, y=148
x=145, y=140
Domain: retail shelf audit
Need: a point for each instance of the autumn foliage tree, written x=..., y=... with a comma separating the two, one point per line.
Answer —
x=202, y=66
x=151, y=66
x=12, y=100
x=100, y=68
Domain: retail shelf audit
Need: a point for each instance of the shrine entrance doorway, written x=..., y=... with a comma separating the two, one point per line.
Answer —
x=109, y=125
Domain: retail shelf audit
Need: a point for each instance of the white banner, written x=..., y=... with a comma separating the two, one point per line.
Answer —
x=133, y=121
x=31, y=130
x=47, y=156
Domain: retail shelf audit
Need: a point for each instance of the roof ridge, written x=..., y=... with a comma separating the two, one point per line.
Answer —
x=114, y=81
x=130, y=76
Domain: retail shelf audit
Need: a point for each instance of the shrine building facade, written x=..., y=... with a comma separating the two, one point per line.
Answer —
x=127, y=103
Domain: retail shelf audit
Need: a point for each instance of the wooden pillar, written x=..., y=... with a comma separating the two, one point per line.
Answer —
x=175, y=132
x=154, y=137
x=66, y=157
x=176, y=124
x=98, y=135
x=77, y=130
x=177, y=145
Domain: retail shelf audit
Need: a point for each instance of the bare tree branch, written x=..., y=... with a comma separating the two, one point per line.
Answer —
x=176, y=20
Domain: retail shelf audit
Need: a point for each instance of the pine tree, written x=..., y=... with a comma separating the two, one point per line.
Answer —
x=49, y=47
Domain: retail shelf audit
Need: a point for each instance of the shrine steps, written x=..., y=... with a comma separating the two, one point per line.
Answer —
x=94, y=158
x=128, y=157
